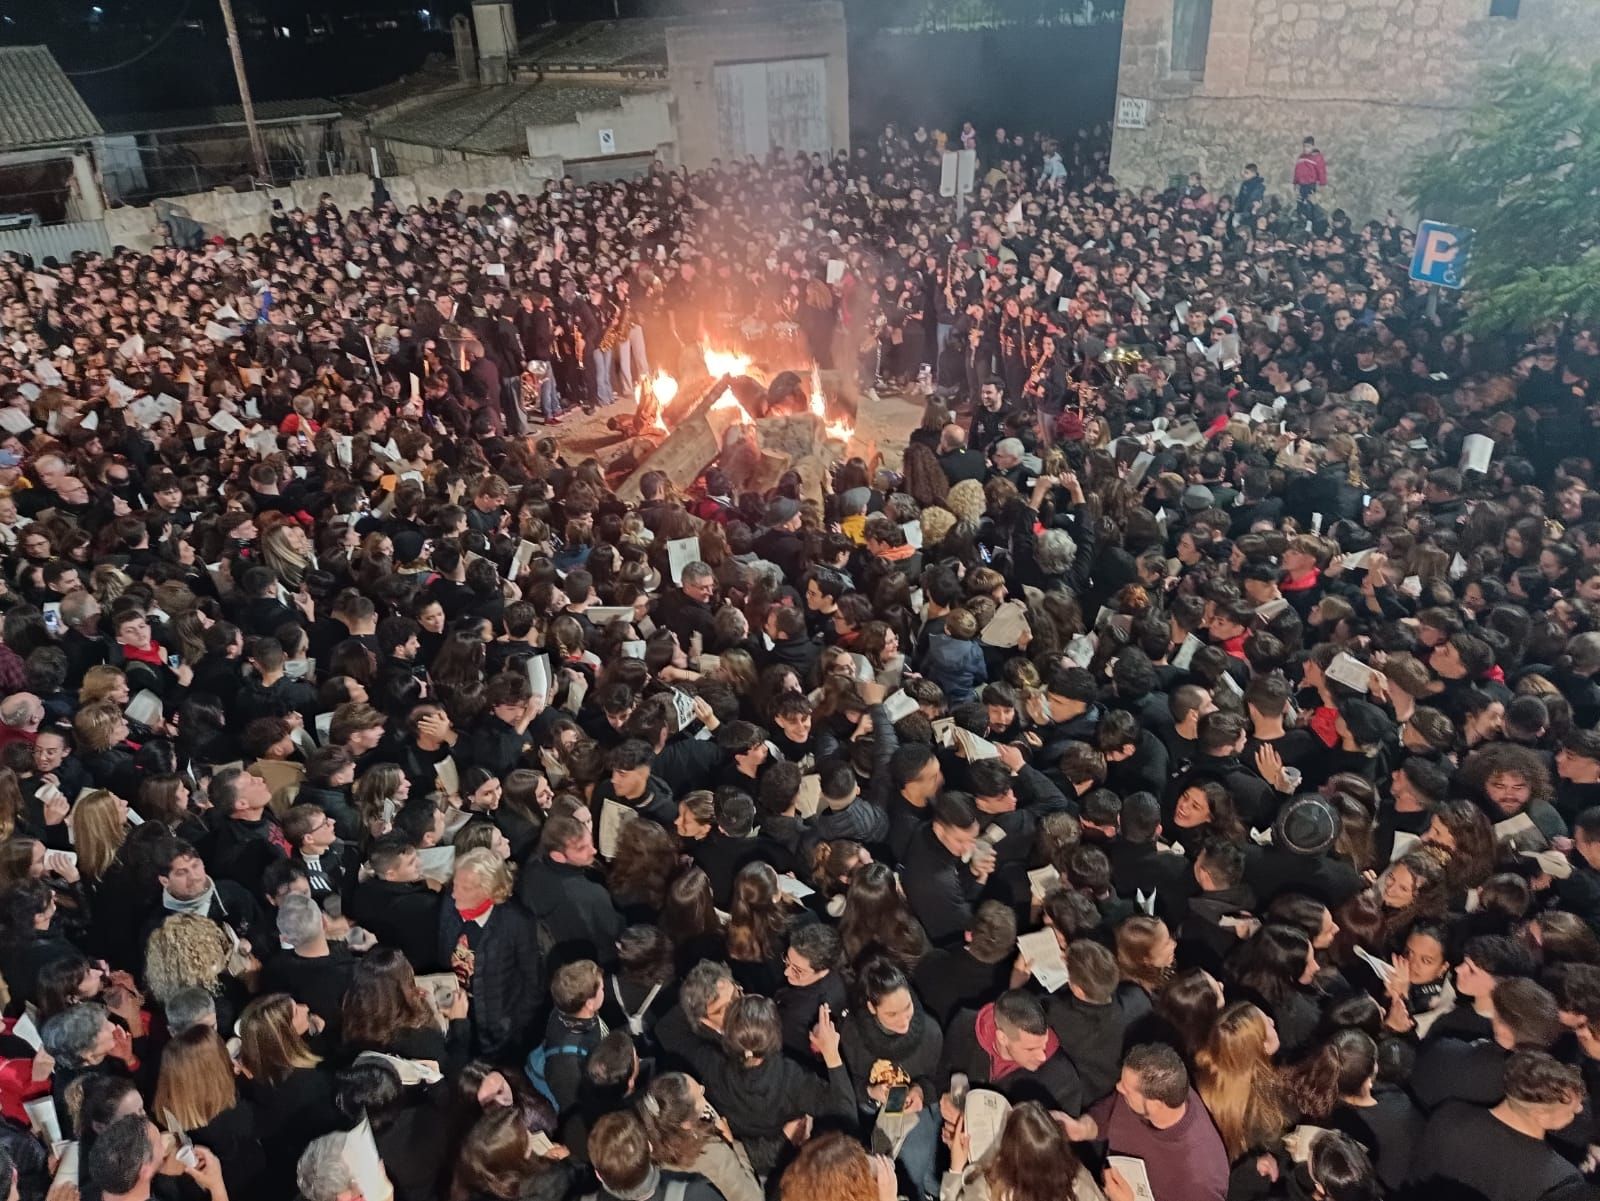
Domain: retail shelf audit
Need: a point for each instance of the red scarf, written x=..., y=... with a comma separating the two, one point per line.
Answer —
x=1495, y=673
x=1299, y=583
x=477, y=911
x=152, y=654
x=1234, y=646
x=1325, y=725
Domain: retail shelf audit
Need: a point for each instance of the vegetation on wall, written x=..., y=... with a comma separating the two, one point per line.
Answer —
x=1524, y=173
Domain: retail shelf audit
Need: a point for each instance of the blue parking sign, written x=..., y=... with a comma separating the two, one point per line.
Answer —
x=1441, y=254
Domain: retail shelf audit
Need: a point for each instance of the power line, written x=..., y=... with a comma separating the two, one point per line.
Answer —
x=150, y=49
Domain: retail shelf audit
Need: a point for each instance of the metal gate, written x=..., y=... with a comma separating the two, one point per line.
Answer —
x=56, y=241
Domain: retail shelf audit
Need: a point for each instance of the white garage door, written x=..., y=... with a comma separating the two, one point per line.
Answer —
x=781, y=103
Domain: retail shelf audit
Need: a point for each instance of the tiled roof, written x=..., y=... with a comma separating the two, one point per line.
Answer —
x=38, y=104
x=639, y=42
x=494, y=120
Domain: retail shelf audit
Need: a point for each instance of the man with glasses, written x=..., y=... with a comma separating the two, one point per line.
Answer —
x=687, y=609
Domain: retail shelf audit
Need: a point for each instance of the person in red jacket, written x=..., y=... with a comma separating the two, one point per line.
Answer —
x=1310, y=173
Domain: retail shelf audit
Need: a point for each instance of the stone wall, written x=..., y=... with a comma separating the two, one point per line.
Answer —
x=786, y=31
x=234, y=214
x=1376, y=82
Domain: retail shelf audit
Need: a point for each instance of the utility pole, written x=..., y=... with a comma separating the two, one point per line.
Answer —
x=258, y=149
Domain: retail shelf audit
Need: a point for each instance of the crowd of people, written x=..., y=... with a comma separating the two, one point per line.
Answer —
x=1180, y=779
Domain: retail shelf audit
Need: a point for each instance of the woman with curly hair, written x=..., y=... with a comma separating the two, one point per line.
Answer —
x=925, y=480
x=1464, y=831
x=1414, y=887
x=191, y=951
x=642, y=870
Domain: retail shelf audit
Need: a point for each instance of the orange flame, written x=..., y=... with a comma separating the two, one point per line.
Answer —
x=666, y=388
x=729, y=401
x=839, y=431
x=725, y=362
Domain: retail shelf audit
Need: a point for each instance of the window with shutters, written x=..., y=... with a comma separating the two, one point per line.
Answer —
x=1191, y=31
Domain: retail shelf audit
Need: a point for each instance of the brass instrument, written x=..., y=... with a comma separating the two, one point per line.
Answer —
x=617, y=330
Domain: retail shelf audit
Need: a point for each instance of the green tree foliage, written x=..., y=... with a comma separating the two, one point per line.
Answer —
x=1525, y=174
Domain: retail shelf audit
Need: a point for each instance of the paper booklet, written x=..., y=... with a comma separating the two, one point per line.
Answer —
x=1006, y=627
x=680, y=553
x=809, y=799
x=1133, y=1171
x=438, y=863
x=986, y=1112
x=612, y=816
x=1044, y=954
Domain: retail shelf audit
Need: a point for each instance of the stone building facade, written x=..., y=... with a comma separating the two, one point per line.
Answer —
x=1209, y=85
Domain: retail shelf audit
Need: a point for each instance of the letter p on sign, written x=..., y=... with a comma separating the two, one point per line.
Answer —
x=1441, y=254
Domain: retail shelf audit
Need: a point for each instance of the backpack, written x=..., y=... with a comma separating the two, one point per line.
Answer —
x=538, y=1066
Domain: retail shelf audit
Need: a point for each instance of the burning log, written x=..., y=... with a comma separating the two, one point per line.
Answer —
x=695, y=440
x=755, y=431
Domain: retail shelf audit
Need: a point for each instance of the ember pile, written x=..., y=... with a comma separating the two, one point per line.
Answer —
x=734, y=417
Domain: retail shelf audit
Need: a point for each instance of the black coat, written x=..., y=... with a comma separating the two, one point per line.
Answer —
x=1091, y=1038
x=574, y=909
x=940, y=889
x=506, y=977
x=289, y=1115
x=401, y=915
x=757, y=1100
x=1055, y=1084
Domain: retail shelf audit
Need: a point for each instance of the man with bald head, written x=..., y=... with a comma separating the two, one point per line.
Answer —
x=20, y=715
x=960, y=462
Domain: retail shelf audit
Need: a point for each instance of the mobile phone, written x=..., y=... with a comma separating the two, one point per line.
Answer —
x=52, y=620
x=895, y=1102
x=173, y=661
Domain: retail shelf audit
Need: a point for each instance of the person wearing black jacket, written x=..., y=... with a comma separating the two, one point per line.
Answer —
x=244, y=837
x=492, y=944
x=497, y=740
x=575, y=912
x=1222, y=737
x=396, y=905
x=329, y=773
x=1087, y=1019
x=686, y=609
x=632, y=785
x=811, y=971
x=760, y=1091
x=1140, y=866
x=940, y=883
x=781, y=543
x=1008, y=1046
x=893, y=1048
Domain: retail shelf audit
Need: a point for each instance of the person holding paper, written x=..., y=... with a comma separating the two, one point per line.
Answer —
x=492, y=944
x=1008, y=1046
x=1033, y=1160
x=893, y=1047
x=946, y=868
